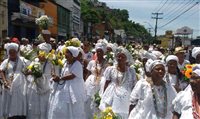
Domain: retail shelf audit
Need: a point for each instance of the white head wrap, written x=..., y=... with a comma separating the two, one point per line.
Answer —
x=148, y=55
x=101, y=46
x=158, y=54
x=171, y=57
x=123, y=50
x=13, y=46
x=196, y=69
x=112, y=46
x=155, y=63
x=147, y=65
x=195, y=52
x=73, y=50
x=46, y=32
x=45, y=47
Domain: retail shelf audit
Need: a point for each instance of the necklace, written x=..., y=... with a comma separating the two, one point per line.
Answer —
x=195, y=107
x=98, y=71
x=164, y=111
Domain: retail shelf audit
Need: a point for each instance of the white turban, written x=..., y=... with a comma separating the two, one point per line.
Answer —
x=123, y=50
x=171, y=57
x=195, y=52
x=45, y=47
x=196, y=69
x=74, y=50
x=158, y=54
x=101, y=46
x=13, y=46
x=148, y=55
x=112, y=46
x=147, y=65
x=155, y=63
x=46, y=32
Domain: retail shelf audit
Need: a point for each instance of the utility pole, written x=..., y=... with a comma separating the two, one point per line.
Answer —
x=156, y=26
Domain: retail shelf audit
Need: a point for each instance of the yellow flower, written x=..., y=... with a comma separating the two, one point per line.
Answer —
x=108, y=109
x=64, y=50
x=42, y=54
x=60, y=62
x=30, y=67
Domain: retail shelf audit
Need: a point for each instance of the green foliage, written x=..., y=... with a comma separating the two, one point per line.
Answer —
x=118, y=19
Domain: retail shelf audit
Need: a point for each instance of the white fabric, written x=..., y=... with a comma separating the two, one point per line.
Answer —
x=74, y=50
x=148, y=55
x=38, y=93
x=13, y=46
x=182, y=104
x=112, y=46
x=155, y=63
x=147, y=65
x=93, y=86
x=46, y=32
x=14, y=99
x=101, y=46
x=117, y=95
x=158, y=54
x=197, y=71
x=195, y=52
x=123, y=50
x=88, y=56
x=67, y=99
x=171, y=57
x=45, y=47
x=172, y=79
x=181, y=66
x=142, y=98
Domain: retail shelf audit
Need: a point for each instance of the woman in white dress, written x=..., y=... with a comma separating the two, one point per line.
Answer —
x=68, y=96
x=39, y=88
x=172, y=72
x=120, y=80
x=95, y=82
x=152, y=98
x=186, y=105
x=14, y=104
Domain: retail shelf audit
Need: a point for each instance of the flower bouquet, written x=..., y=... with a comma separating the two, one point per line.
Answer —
x=137, y=65
x=109, y=57
x=35, y=68
x=107, y=114
x=27, y=54
x=187, y=71
x=73, y=42
x=43, y=22
x=97, y=99
x=55, y=58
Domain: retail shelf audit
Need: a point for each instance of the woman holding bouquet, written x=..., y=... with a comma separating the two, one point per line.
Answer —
x=39, y=84
x=14, y=80
x=68, y=96
x=152, y=98
x=95, y=82
x=120, y=80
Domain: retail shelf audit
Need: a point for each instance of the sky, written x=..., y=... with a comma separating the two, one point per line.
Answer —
x=141, y=11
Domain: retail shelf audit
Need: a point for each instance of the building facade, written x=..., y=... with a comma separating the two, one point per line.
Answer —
x=3, y=19
x=75, y=15
x=21, y=18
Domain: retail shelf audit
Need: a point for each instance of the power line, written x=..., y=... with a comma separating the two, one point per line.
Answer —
x=180, y=15
x=159, y=5
x=163, y=5
x=180, y=9
x=174, y=9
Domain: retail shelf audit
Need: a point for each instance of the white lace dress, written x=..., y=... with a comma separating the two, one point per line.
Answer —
x=117, y=94
x=68, y=97
x=14, y=99
x=142, y=98
x=94, y=85
x=182, y=104
x=38, y=93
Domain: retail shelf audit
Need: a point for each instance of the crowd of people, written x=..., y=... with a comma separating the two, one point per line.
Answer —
x=74, y=80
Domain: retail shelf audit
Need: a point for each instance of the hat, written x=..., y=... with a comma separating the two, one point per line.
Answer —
x=195, y=52
x=179, y=50
x=13, y=46
x=74, y=50
x=45, y=47
x=15, y=40
x=155, y=63
x=171, y=57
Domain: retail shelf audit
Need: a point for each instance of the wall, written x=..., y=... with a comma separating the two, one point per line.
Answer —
x=51, y=11
x=3, y=18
